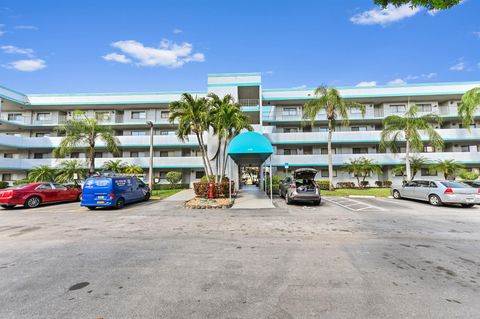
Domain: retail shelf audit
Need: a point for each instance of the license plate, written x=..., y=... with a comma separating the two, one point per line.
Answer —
x=469, y=200
x=100, y=202
x=101, y=197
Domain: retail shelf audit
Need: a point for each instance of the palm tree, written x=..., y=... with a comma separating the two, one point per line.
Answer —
x=329, y=100
x=362, y=167
x=417, y=162
x=117, y=166
x=41, y=173
x=449, y=168
x=85, y=131
x=227, y=121
x=408, y=129
x=468, y=107
x=193, y=116
x=71, y=171
x=132, y=169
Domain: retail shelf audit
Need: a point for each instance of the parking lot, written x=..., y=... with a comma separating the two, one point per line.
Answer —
x=347, y=258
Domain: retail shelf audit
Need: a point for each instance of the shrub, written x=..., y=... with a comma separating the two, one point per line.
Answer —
x=3, y=185
x=275, y=183
x=470, y=176
x=21, y=181
x=158, y=187
x=174, y=177
x=212, y=179
x=220, y=190
x=365, y=183
x=383, y=183
x=323, y=184
x=345, y=185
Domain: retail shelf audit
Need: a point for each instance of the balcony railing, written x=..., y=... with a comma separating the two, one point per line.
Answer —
x=249, y=102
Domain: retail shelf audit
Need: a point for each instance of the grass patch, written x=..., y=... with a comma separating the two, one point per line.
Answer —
x=164, y=193
x=378, y=192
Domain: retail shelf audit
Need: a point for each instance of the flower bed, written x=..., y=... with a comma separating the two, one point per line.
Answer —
x=220, y=190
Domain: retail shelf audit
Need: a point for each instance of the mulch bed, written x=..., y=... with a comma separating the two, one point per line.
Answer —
x=202, y=203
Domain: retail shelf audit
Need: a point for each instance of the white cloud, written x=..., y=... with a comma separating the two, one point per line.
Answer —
x=269, y=72
x=177, y=31
x=168, y=54
x=303, y=86
x=397, y=82
x=433, y=12
x=421, y=76
x=120, y=58
x=10, y=49
x=26, y=27
x=385, y=16
x=460, y=66
x=26, y=65
x=366, y=83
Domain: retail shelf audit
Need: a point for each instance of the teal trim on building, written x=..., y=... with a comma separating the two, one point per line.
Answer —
x=234, y=84
x=220, y=75
x=365, y=96
x=250, y=146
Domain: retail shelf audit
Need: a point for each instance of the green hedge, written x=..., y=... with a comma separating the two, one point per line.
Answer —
x=323, y=184
x=3, y=185
x=383, y=183
x=159, y=187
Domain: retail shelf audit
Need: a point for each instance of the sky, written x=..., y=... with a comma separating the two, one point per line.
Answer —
x=171, y=45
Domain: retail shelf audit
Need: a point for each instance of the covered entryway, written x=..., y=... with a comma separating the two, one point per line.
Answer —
x=249, y=151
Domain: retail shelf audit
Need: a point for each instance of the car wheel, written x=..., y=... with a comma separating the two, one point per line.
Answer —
x=467, y=205
x=91, y=207
x=33, y=202
x=316, y=203
x=434, y=200
x=8, y=206
x=287, y=199
x=119, y=203
x=280, y=193
x=147, y=196
x=396, y=194
x=79, y=198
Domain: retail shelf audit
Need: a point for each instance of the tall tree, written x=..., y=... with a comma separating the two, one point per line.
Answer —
x=335, y=107
x=361, y=168
x=468, y=107
x=42, y=173
x=408, y=129
x=83, y=131
x=193, y=116
x=227, y=121
x=117, y=166
x=429, y=4
x=68, y=170
x=449, y=168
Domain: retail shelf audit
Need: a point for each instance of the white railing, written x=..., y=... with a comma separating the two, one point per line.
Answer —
x=249, y=102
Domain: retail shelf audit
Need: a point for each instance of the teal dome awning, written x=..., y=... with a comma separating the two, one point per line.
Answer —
x=250, y=148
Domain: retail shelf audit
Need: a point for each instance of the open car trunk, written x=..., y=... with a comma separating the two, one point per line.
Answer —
x=305, y=180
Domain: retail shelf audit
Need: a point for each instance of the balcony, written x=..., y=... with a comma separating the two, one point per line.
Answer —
x=26, y=120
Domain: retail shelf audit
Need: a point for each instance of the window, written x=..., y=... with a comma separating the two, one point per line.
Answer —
x=355, y=110
x=360, y=150
x=138, y=115
x=102, y=116
x=455, y=185
x=323, y=129
x=199, y=174
x=359, y=128
x=163, y=153
x=397, y=108
x=198, y=153
x=290, y=111
x=8, y=155
x=74, y=155
x=138, y=133
x=163, y=175
x=424, y=108
x=6, y=177
x=433, y=185
x=290, y=151
x=44, y=186
x=15, y=116
x=59, y=186
x=98, y=155
x=307, y=150
x=164, y=114
x=324, y=151
x=134, y=154
x=44, y=116
x=165, y=132
x=428, y=149
x=41, y=134
x=290, y=130
x=37, y=155
x=465, y=148
x=324, y=173
x=186, y=152
x=428, y=172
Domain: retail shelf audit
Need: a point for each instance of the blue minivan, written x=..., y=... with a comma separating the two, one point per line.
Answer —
x=106, y=191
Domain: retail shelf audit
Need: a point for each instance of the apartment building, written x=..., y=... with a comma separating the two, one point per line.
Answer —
x=27, y=123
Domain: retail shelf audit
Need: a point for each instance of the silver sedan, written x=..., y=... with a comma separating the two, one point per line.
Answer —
x=438, y=192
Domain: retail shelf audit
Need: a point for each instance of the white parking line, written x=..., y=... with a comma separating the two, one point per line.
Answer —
x=353, y=205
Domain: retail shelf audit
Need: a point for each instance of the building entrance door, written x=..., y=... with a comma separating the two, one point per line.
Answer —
x=249, y=177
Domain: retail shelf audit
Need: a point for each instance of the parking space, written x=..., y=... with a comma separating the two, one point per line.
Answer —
x=355, y=205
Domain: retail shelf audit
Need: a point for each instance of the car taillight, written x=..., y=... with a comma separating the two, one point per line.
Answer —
x=112, y=196
x=448, y=191
x=7, y=194
x=478, y=190
x=292, y=186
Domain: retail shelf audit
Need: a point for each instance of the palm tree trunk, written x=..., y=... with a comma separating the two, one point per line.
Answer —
x=204, y=159
x=224, y=165
x=407, y=160
x=91, y=159
x=330, y=157
x=205, y=154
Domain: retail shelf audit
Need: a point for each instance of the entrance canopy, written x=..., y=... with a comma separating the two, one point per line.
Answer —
x=250, y=148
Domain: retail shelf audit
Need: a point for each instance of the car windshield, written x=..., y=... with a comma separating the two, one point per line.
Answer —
x=455, y=185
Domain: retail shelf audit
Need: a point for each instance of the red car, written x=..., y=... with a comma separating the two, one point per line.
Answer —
x=35, y=194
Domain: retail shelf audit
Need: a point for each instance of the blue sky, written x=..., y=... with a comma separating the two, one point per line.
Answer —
x=113, y=46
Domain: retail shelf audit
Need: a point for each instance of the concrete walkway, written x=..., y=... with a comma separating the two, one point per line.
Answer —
x=181, y=196
x=252, y=199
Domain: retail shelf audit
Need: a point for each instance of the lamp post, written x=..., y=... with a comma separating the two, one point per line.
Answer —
x=150, y=166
